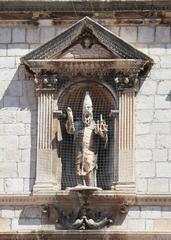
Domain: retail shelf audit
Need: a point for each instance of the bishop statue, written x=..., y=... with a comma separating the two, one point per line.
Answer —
x=87, y=134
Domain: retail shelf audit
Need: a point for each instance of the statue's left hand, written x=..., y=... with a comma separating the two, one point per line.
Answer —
x=103, y=128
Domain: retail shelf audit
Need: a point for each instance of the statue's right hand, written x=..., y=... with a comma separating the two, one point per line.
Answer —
x=69, y=113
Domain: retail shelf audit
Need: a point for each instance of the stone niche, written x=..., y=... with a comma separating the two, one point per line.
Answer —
x=86, y=57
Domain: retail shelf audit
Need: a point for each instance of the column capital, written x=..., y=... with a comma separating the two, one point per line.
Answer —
x=45, y=82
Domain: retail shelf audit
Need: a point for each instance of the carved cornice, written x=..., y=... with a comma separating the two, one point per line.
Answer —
x=91, y=67
x=102, y=198
x=83, y=6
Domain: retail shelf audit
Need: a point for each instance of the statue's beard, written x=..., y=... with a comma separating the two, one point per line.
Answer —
x=87, y=119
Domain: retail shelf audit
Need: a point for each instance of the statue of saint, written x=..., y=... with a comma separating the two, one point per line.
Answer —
x=86, y=140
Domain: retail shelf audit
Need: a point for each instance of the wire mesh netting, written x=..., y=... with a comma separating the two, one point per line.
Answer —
x=103, y=102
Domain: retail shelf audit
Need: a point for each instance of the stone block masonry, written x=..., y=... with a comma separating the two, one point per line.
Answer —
x=153, y=102
x=18, y=121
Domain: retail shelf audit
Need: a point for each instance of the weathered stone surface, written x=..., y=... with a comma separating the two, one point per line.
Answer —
x=162, y=225
x=145, y=102
x=11, y=102
x=136, y=224
x=141, y=184
x=129, y=33
x=162, y=34
x=144, y=116
x=134, y=212
x=160, y=128
x=157, y=50
x=162, y=115
x=7, y=212
x=23, y=116
x=17, y=49
x=160, y=155
x=155, y=184
x=5, y=224
x=3, y=49
x=166, y=212
x=164, y=86
x=13, y=185
x=145, y=141
x=13, y=155
x=24, y=170
x=142, y=47
x=149, y=225
x=160, y=74
x=46, y=33
x=18, y=35
x=1, y=185
x=145, y=169
x=143, y=155
x=165, y=61
x=164, y=141
x=10, y=141
x=142, y=128
x=163, y=169
x=153, y=212
x=8, y=169
x=146, y=34
x=14, y=129
x=7, y=62
x=5, y=35
x=26, y=224
x=24, y=142
x=7, y=116
x=33, y=35
x=148, y=87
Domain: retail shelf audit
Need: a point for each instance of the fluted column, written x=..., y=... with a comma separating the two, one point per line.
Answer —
x=46, y=169
x=126, y=181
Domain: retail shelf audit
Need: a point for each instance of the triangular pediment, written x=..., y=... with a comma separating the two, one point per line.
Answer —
x=76, y=37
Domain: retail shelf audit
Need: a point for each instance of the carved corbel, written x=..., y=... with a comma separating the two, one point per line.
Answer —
x=82, y=219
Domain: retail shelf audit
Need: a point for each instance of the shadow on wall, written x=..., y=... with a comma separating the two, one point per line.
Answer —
x=18, y=118
x=168, y=97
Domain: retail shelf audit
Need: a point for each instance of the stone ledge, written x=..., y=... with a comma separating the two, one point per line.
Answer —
x=102, y=197
x=73, y=234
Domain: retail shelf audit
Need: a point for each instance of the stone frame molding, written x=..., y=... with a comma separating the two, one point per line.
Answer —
x=121, y=73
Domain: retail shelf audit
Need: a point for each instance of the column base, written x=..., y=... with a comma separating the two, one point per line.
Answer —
x=45, y=189
x=124, y=188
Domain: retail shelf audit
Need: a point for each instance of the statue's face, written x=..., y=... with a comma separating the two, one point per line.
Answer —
x=87, y=111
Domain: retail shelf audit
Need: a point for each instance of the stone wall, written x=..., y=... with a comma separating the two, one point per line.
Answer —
x=29, y=218
x=18, y=117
